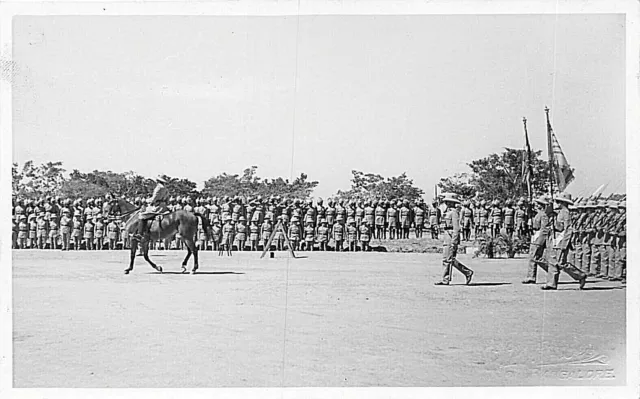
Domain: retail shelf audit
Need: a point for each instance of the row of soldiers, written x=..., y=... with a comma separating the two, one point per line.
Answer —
x=585, y=238
x=51, y=220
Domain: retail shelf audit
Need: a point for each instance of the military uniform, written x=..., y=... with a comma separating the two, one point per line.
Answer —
x=418, y=222
x=405, y=219
x=451, y=241
x=509, y=218
x=434, y=221
x=558, y=246
x=365, y=236
x=541, y=228
x=392, y=220
x=496, y=219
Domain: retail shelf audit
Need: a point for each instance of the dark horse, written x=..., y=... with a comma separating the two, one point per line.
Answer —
x=182, y=222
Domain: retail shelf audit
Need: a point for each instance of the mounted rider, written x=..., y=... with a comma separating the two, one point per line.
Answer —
x=157, y=205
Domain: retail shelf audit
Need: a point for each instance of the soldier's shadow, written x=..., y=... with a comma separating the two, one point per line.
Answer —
x=485, y=284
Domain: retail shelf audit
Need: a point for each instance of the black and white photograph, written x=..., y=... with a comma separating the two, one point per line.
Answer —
x=330, y=194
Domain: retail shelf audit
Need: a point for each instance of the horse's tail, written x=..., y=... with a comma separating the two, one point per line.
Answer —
x=205, y=225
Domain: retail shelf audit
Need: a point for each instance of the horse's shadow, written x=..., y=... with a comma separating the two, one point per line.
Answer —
x=197, y=272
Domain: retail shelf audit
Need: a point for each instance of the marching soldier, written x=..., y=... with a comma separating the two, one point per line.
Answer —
x=620, y=231
x=451, y=241
x=558, y=246
x=541, y=229
x=597, y=240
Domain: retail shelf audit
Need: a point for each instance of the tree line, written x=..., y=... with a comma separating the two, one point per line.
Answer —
x=497, y=176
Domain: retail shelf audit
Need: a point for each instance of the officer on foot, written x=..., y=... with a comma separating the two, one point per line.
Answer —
x=451, y=241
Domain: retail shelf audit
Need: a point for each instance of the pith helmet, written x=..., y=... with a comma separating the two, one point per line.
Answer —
x=565, y=198
x=450, y=198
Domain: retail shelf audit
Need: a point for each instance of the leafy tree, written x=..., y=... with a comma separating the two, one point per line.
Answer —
x=460, y=183
x=499, y=176
x=37, y=181
x=250, y=184
x=366, y=185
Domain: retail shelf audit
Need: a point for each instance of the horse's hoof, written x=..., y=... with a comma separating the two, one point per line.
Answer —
x=126, y=272
x=193, y=272
x=184, y=270
x=159, y=268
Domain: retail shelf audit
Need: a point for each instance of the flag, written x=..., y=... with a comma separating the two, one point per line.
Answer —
x=527, y=168
x=562, y=173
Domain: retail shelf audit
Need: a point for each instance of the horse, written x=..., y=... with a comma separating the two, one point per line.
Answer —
x=181, y=221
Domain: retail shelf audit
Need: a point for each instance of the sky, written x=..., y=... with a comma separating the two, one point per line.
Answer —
x=196, y=96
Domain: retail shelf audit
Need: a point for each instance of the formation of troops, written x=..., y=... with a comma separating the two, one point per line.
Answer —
x=584, y=238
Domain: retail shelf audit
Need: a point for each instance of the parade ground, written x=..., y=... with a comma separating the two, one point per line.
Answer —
x=321, y=320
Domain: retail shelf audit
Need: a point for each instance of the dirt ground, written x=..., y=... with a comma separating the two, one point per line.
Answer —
x=326, y=319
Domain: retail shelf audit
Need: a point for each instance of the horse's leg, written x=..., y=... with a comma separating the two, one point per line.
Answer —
x=186, y=259
x=145, y=254
x=191, y=247
x=134, y=248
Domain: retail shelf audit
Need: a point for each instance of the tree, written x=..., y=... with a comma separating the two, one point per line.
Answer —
x=37, y=181
x=250, y=184
x=460, y=183
x=365, y=185
x=499, y=176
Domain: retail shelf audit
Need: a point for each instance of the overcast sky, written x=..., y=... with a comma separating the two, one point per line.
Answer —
x=197, y=96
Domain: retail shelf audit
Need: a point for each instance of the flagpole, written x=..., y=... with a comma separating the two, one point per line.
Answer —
x=546, y=110
x=528, y=155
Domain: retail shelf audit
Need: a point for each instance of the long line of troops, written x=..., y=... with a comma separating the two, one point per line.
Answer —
x=598, y=243
x=60, y=223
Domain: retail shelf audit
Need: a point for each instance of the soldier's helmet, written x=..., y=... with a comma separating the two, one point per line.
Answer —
x=613, y=204
x=564, y=198
x=450, y=198
x=350, y=220
x=323, y=220
x=161, y=179
x=319, y=201
x=242, y=218
x=623, y=204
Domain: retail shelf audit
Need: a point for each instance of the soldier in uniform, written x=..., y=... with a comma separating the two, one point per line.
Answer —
x=541, y=229
x=320, y=211
x=392, y=220
x=509, y=218
x=352, y=235
x=158, y=205
x=608, y=240
x=294, y=233
x=418, y=220
x=254, y=235
x=33, y=231
x=309, y=235
x=496, y=219
x=54, y=230
x=228, y=233
x=241, y=233
x=380, y=213
x=451, y=241
x=23, y=231
x=265, y=232
x=365, y=236
x=521, y=219
x=405, y=218
x=558, y=246
x=338, y=235
x=323, y=235
x=88, y=234
x=77, y=232
x=99, y=232
x=216, y=235
x=434, y=220
x=65, y=228
x=597, y=239
x=620, y=231
x=467, y=220
x=359, y=215
x=112, y=233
